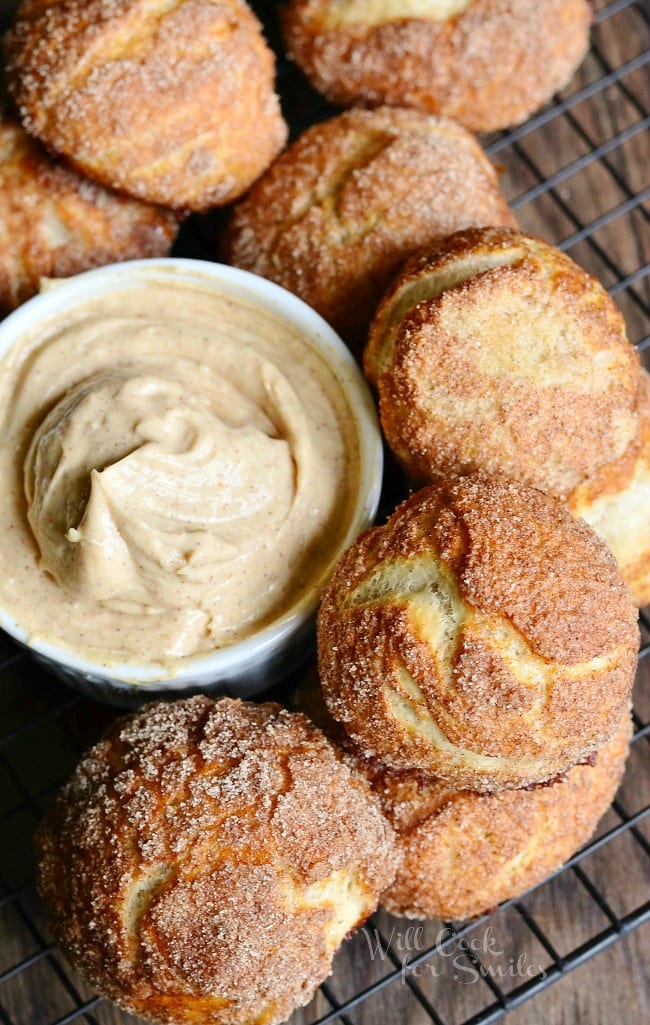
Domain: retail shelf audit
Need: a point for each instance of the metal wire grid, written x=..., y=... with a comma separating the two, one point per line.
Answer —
x=45, y=727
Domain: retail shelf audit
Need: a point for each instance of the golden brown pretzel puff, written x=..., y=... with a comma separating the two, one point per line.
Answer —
x=170, y=101
x=463, y=853
x=482, y=635
x=206, y=859
x=54, y=223
x=493, y=350
x=336, y=215
x=616, y=503
x=487, y=63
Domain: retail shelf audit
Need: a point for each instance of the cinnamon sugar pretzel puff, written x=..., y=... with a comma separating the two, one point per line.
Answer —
x=463, y=853
x=54, y=223
x=482, y=636
x=170, y=101
x=486, y=63
x=493, y=350
x=337, y=214
x=206, y=859
x=615, y=501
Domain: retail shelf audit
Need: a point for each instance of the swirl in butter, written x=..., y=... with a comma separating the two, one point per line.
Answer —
x=180, y=467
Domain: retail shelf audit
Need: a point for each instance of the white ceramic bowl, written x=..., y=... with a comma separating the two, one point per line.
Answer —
x=246, y=667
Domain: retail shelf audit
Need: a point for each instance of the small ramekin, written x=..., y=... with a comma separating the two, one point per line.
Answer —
x=249, y=666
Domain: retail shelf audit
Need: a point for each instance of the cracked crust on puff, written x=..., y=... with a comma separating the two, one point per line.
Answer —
x=337, y=214
x=482, y=635
x=493, y=350
x=489, y=65
x=206, y=859
x=170, y=101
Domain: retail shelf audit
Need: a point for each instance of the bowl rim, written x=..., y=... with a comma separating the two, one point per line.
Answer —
x=75, y=291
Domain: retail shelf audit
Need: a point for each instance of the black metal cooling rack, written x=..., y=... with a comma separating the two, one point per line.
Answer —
x=592, y=202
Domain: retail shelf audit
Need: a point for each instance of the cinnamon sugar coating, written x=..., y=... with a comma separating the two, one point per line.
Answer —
x=482, y=636
x=54, y=223
x=337, y=214
x=206, y=859
x=615, y=501
x=171, y=102
x=488, y=63
x=495, y=351
x=464, y=853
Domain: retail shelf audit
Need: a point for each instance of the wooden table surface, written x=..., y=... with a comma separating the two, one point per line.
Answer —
x=610, y=989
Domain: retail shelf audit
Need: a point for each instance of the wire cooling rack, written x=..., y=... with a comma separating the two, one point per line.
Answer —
x=574, y=174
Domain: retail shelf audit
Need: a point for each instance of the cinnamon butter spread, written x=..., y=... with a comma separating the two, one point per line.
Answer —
x=178, y=466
